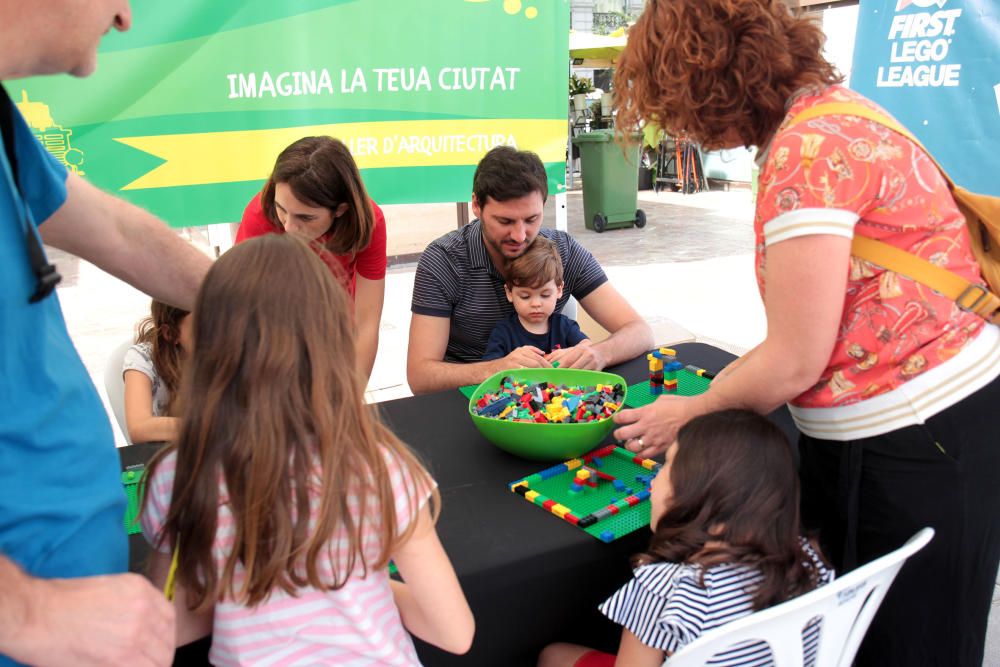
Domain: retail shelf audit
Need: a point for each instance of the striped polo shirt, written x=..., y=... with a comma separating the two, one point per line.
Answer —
x=457, y=279
x=667, y=606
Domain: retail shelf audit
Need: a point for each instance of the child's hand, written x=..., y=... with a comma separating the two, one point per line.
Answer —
x=582, y=355
x=526, y=356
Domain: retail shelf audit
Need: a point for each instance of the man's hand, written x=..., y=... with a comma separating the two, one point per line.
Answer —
x=526, y=356
x=582, y=355
x=109, y=620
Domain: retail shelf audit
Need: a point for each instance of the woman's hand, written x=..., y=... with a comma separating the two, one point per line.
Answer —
x=649, y=430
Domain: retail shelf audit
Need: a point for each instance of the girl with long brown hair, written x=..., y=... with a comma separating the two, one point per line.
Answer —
x=316, y=191
x=285, y=496
x=726, y=542
x=892, y=384
x=152, y=370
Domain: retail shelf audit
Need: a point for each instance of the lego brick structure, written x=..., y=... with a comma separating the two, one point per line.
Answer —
x=604, y=493
x=691, y=381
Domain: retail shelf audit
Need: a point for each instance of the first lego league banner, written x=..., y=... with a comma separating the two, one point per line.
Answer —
x=189, y=109
x=935, y=66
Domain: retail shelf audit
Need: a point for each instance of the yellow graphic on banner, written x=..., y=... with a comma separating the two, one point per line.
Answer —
x=513, y=7
x=54, y=137
x=248, y=155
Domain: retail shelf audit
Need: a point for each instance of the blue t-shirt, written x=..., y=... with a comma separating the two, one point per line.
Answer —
x=61, y=499
x=510, y=334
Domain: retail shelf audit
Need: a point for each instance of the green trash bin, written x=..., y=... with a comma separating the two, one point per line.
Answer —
x=610, y=182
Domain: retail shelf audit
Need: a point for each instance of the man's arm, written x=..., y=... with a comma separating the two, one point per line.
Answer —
x=427, y=371
x=630, y=335
x=127, y=242
x=109, y=620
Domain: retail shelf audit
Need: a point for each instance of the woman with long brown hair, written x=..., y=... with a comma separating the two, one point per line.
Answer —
x=316, y=191
x=285, y=497
x=892, y=384
x=724, y=510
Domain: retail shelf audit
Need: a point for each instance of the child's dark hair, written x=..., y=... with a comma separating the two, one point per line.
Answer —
x=162, y=331
x=735, y=485
x=539, y=264
x=506, y=173
x=322, y=172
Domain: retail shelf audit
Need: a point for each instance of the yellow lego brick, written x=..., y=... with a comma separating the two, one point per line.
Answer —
x=648, y=464
x=522, y=482
x=531, y=495
x=583, y=474
x=560, y=510
x=505, y=412
x=669, y=351
x=573, y=464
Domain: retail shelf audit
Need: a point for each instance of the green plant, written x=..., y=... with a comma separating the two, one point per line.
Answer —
x=580, y=85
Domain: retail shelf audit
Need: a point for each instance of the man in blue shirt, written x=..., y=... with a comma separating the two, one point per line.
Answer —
x=66, y=597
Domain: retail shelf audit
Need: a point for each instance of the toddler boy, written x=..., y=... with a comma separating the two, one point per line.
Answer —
x=534, y=282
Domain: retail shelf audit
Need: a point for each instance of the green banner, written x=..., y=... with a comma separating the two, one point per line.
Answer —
x=189, y=109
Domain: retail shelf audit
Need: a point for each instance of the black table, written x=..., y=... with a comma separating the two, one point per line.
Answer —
x=530, y=578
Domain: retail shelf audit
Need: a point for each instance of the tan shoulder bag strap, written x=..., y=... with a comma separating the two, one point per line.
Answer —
x=972, y=297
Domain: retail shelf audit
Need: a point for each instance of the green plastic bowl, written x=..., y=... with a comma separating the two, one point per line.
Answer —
x=545, y=442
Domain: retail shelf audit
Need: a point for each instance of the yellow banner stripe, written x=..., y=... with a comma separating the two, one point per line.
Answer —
x=226, y=157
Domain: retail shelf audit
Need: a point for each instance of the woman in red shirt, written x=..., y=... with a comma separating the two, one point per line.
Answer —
x=316, y=191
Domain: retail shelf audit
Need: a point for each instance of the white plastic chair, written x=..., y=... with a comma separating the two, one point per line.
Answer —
x=114, y=385
x=569, y=310
x=846, y=606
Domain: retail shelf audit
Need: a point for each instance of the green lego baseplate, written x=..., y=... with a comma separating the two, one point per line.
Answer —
x=131, y=479
x=688, y=384
x=554, y=484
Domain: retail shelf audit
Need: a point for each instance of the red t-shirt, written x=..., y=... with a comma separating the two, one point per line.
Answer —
x=370, y=263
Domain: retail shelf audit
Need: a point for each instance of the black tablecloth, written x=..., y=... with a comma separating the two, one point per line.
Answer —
x=530, y=578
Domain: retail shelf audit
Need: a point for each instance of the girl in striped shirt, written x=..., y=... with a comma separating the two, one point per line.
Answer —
x=284, y=496
x=725, y=543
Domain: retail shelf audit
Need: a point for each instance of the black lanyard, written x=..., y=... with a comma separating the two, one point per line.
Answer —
x=46, y=276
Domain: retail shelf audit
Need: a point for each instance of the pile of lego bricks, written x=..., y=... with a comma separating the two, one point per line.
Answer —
x=545, y=403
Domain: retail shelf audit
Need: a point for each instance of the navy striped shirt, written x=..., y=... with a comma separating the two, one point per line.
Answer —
x=457, y=279
x=666, y=607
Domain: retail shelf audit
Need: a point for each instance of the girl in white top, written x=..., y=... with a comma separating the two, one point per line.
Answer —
x=152, y=370
x=291, y=496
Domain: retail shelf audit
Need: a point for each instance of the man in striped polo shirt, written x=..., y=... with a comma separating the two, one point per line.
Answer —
x=458, y=292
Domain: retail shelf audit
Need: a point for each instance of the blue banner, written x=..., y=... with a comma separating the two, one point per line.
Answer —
x=935, y=65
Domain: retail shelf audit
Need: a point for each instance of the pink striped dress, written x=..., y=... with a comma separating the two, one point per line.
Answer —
x=358, y=624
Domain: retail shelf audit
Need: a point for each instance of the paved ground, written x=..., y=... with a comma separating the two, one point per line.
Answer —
x=689, y=272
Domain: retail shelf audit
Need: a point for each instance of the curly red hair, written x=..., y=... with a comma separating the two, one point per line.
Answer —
x=718, y=69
